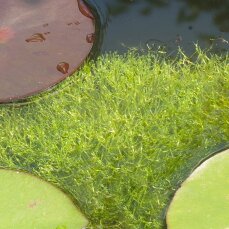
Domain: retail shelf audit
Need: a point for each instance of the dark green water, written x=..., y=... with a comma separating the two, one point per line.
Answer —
x=166, y=24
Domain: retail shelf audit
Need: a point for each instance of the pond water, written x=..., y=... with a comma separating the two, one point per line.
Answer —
x=156, y=24
x=43, y=42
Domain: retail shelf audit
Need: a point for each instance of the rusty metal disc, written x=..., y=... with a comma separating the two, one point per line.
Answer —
x=41, y=43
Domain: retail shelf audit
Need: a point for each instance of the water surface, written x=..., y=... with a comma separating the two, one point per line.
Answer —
x=171, y=23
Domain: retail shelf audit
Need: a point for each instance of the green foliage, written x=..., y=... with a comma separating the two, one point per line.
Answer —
x=201, y=202
x=122, y=134
x=61, y=227
x=29, y=202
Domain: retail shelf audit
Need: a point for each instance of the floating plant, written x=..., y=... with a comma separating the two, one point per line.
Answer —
x=46, y=43
x=29, y=202
x=203, y=199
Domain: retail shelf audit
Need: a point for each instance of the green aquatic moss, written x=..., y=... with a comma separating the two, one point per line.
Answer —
x=122, y=134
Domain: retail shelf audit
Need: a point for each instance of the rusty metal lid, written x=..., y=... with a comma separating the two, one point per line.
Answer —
x=41, y=43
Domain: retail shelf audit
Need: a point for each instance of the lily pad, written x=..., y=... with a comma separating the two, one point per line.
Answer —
x=41, y=43
x=202, y=202
x=28, y=202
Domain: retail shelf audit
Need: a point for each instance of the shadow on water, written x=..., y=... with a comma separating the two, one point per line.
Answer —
x=101, y=14
x=153, y=24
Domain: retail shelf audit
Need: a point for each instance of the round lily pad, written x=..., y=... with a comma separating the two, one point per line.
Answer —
x=202, y=202
x=28, y=202
x=41, y=43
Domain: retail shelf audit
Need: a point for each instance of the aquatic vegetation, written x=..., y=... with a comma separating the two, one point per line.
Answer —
x=29, y=202
x=201, y=202
x=123, y=133
x=36, y=37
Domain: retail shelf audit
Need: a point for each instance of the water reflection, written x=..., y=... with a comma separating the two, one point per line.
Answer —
x=189, y=10
x=219, y=10
x=122, y=6
x=135, y=22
